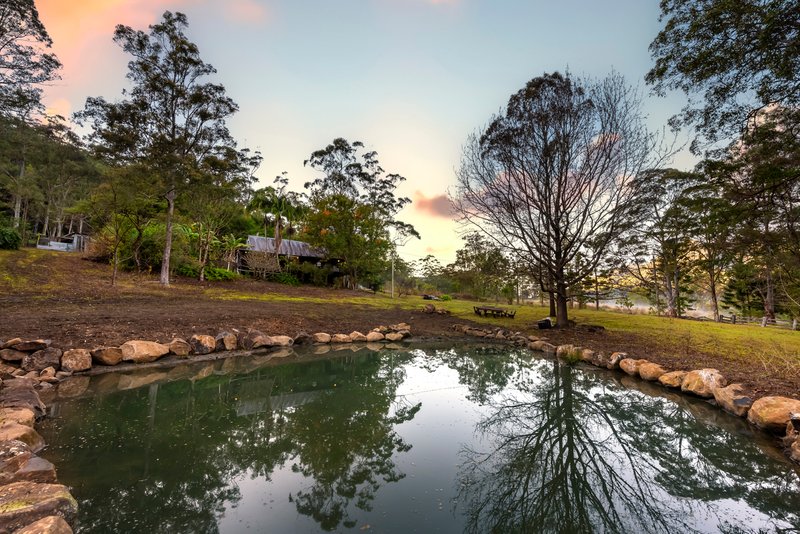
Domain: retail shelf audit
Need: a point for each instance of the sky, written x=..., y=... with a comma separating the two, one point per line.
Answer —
x=409, y=78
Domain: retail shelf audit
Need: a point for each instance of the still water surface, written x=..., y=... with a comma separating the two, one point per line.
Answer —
x=472, y=439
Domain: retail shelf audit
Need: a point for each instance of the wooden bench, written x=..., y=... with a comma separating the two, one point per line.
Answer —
x=491, y=311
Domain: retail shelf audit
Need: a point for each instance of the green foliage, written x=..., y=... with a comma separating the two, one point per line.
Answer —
x=446, y=297
x=24, y=63
x=352, y=209
x=215, y=274
x=284, y=278
x=737, y=56
x=9, y=239
x=309, y=273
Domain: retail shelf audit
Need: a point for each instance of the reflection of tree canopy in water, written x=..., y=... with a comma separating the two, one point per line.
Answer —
x=177, y=448
x=577, y=453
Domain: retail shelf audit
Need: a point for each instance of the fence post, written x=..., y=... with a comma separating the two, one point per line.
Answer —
x=733, y=318
x=763, y=321
x=794, y=323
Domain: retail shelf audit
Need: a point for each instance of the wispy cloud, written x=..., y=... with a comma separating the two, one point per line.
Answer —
x=437, y=206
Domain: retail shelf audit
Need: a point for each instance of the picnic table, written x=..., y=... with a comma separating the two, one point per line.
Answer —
x=491, y=311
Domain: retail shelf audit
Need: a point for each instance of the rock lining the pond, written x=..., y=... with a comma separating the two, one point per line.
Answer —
x=30, y=499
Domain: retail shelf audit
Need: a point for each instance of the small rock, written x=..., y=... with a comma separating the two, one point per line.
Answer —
x=226, y=341
x=794, y=451
x=651, y=371
x=49, y=372
x=31, y=346
x=405, y=333
x=11, y=342
x=703, y=382
x=732, y=399
x=587, y=355
x=22, y=503
x=357, y=336
x=399, y=327
x=107, y=355
x=10, y=431
x=341, y=338
x=673, y=379
x=13, y=455
x=36, y=469
x=303, y=339
x=631, y=366
x=7, y=372
x=11, y=355
x=48, y=357
x=76, y=360
x=773, y=413
x=139, y=351
x=394, y=336
x=382, y=329
x=180, y=347
x=374, y=337
x=202, y=344
x=615, y=359
x=49, y=525
x=281, y=341
x=321, y=337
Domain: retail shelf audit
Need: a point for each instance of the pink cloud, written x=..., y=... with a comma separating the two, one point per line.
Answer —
x=437, y=206
x=246, y=11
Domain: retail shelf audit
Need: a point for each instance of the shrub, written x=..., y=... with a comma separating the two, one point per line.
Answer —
x=9, y=239
x=189, y=270
x=216, y=274
x=446, y=297
x=284, y=278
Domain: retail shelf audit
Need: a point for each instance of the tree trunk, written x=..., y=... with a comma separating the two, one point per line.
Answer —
x=552, y=303
x=714, y=299
x=769, y=298
x=672, y=308
x=562, y=313
x=168, y=238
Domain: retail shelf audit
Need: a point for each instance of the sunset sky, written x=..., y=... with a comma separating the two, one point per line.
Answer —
x=409, y=78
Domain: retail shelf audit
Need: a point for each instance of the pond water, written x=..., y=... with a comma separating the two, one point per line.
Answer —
x=472, y=439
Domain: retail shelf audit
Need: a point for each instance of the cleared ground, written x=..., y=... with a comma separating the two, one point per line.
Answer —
x=65, y=298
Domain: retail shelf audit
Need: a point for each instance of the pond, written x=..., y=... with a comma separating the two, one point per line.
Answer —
x=471, y=439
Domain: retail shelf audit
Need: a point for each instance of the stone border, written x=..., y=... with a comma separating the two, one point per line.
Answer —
x=779, y=416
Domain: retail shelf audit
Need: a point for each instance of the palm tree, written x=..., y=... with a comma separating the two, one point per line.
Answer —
x=278, y=206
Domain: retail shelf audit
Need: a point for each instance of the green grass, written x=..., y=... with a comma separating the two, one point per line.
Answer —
x=678, y=336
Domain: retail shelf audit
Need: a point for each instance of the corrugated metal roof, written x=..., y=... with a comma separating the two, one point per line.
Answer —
x=289, y=247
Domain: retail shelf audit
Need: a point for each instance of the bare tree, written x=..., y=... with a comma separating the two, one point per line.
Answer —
x=552, y=177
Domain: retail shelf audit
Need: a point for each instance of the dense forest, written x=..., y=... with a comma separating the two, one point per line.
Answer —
x=570, y=199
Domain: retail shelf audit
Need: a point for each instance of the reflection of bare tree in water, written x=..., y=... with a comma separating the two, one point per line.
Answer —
x=560, y=466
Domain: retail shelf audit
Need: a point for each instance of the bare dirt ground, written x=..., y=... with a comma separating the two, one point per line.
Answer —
x=67, y=299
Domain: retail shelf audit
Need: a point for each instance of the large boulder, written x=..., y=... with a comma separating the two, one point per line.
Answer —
x=19, y=393
x=651, y=371
x=107, y=355
x=343, y=338
x=394, y=336
x=22, y=503
x=21, y=416
x=180, y=347
x=139, y=351
x=12, y=355
x=14, y=431
x=673, y=379
x=282, y=341
x=48, y=525
x=321, y=337
x=703, y=382
x=42, y=359
x=76, y=360
x=226, y=341
x=374, y=337
x=30, y=346
x=773, y=413
x=357, y=336
x=631, y=366
x=732, y=399
x=202, y=344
